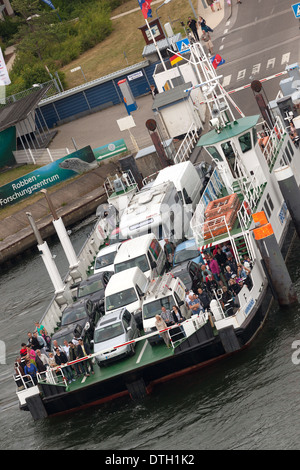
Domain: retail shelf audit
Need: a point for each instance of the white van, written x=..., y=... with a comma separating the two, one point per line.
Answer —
x=105, y=258
x=144, y=252
x=127, y=290
x=186, y=180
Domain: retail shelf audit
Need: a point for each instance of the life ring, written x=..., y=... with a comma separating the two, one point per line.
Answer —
x=247, y=207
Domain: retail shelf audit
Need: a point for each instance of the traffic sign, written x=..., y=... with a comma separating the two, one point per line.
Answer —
x=296, y=10
x=183, y=45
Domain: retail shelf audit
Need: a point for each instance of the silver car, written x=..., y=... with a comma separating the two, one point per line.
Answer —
x=112, y=330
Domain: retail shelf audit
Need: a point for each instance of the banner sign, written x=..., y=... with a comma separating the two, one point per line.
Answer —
x=4, y=77
x=110, y=150
x=56, y=172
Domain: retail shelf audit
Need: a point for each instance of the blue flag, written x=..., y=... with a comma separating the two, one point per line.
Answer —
x=48, y=2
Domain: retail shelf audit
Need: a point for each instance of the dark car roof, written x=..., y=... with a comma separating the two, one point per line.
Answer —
x=94, y=277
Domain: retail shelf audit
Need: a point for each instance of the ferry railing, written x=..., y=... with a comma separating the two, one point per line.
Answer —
x=126, y=176
x=270, y=140
x=212, y=191
x=187, y=145
x=190, y=325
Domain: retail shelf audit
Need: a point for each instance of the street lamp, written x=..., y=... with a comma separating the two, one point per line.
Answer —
x=164, y=3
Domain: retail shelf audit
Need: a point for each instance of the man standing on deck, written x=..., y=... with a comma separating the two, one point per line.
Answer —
x=83, y=350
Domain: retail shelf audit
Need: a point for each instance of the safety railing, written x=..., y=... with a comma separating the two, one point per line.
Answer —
x=187, y=145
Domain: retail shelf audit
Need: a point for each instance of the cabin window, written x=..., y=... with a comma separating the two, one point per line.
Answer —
x=268, y=205
x=155, y=249
x=214, y=153
x=254, y=135
x=230, y=155
x=291, y=148
x=288, y=154
x=245, y=142
x=270, y=202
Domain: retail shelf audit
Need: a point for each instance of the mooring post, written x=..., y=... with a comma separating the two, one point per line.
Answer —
x=291, y=193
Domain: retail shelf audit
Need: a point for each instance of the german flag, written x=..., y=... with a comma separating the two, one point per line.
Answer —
x=174, y=59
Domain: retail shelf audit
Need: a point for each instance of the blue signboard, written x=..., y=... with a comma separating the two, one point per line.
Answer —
x=296, y=10
x=183, y=45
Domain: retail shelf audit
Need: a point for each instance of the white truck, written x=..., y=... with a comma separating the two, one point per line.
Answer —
x=156, y=210
x=164, y=291
x=127, y=290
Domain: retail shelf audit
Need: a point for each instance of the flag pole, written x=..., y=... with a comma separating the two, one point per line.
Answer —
x=155, y=44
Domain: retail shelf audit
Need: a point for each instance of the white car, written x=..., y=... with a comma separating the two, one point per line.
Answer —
x=115, y=329
x=105, y=258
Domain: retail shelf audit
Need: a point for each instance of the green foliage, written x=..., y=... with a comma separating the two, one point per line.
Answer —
x=9, y=28
x=43, y=39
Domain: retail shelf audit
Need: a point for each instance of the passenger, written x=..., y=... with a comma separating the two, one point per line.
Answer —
x=33, y=341
x=167, y=316
x=41, y=342
x=211, y=284
x=195, y=304
x=169, y=249
x=204, y=298
x=178, y=318
x=221, y=258
x=226, y=296
x=233, y=286
x=228, y=273
x=83, y=350
x=161, y=325
x=61, y=359
x=215, y=270
x=66, y=349
x=231, y=261
x=40, y=329
x=205, y=272
x=23, y=350
x=73, y=356
x=30, y=369
x=51, y=360
x=56, y=346
x=30, y=354
x=242, y=271
x=41, y=360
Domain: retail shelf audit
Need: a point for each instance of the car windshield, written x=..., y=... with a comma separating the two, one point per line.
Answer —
x=185, y=255
x=185, y=277
x=90, y=288
x=108, y=332
x=73, y=315
x=154, y=308
x=105, y=260
x=120, y=299
x=140, y=261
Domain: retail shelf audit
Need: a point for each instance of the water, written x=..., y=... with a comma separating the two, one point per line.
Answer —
x=248, y=401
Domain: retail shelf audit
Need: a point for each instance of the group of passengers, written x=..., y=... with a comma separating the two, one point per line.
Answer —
x=221, y=273
x=39, y=355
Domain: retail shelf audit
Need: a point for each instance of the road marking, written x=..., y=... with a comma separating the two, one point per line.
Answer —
x=142, y=352
x=228, y=23
x=241, y=74
x=221, y=47
x=256, y=69
x=285, y=58
x=271, y=63
x=225, y=31
x=226, y=80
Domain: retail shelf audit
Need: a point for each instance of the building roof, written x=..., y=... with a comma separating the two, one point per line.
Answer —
x=15, y=112
x=232, y=130
x=170, y=97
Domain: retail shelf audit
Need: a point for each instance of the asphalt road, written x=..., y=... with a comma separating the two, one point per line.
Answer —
x=259, y=39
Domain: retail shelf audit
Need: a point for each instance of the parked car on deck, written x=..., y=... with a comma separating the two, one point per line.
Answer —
x=112, y=330
x=187, y=251
x=93, y=288
x=105, y=258
x=190, y=273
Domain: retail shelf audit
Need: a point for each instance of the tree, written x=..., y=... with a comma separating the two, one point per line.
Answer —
x=37, y=29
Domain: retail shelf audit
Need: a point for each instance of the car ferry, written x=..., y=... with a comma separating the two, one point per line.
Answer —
x=245, y=204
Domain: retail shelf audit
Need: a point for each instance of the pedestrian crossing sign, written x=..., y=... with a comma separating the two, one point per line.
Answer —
x=296, y=10
x=183, y=45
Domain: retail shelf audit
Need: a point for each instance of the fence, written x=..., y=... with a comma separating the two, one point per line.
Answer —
x=39, y=156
